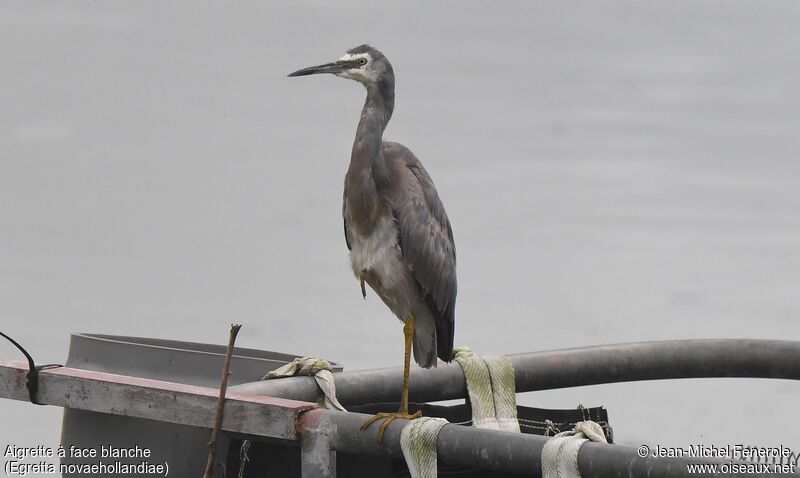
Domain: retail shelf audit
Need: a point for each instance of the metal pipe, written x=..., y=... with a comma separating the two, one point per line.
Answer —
x=317, y=457
x=563, y=368
x=494, y=450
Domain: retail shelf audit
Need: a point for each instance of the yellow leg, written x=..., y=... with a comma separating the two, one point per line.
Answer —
x=388, y=417
x=408, y=333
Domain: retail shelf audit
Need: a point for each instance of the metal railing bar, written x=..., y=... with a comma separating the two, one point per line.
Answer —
x=575, y=367
x=473, y=447
x=319, y=430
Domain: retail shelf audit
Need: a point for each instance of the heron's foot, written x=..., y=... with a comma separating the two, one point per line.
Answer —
x=389, y=417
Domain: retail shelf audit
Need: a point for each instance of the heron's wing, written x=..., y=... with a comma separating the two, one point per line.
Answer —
x=426, y=239
x=344, y=219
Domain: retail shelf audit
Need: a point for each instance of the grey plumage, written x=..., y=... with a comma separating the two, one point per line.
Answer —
x=395, y=225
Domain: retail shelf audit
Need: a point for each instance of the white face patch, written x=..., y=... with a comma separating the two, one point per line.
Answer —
x=362, y=74
x=349, y=56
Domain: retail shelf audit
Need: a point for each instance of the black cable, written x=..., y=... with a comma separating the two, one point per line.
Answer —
x=32, y=382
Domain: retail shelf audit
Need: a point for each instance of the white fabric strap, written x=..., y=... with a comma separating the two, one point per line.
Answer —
x=491, y=389
x=320, y=369
x=560, y=453
x=418, y=442
x=504, y=391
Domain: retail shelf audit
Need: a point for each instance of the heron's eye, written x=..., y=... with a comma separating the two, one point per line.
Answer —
x=362, y=61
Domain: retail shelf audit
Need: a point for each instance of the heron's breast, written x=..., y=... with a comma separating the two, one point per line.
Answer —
x=378, y=253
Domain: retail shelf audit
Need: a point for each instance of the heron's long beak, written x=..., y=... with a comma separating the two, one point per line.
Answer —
x=335, y=67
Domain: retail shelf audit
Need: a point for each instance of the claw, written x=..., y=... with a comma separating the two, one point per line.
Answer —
x=363, y=289
x=388, y=418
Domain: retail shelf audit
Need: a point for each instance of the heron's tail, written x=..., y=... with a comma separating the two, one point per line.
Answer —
x=425, y=341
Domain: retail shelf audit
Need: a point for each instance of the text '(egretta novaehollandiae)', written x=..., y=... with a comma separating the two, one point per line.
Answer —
x=395, y=226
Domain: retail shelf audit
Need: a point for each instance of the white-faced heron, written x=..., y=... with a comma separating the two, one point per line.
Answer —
x=395, y=226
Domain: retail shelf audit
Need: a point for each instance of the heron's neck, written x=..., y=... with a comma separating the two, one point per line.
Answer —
x=368, y=173
x=375, y=116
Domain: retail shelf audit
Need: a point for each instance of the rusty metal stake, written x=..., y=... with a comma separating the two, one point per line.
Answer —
x=226, y=371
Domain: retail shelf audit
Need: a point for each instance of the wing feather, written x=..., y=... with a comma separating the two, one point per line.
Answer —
x=344, y=219
x=426, y=240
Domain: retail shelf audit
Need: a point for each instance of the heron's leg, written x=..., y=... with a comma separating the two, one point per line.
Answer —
x=408, y=332
x=388, y=417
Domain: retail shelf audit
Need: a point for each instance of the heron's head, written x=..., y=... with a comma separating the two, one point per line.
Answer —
x=362, y=63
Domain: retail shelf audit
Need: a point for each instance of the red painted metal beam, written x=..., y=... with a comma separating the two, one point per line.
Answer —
x=154, y=399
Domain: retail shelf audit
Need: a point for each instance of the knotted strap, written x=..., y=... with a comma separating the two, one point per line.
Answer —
x=418, y=442
x=560, y=453
x=491, y=388
x=321, y=371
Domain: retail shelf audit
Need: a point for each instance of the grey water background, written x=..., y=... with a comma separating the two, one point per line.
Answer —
x=614, y=171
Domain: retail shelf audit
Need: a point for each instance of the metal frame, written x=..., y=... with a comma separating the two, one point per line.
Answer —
x=156, y=400
x=322, y=432
x=561, y=369
x=475, y=447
